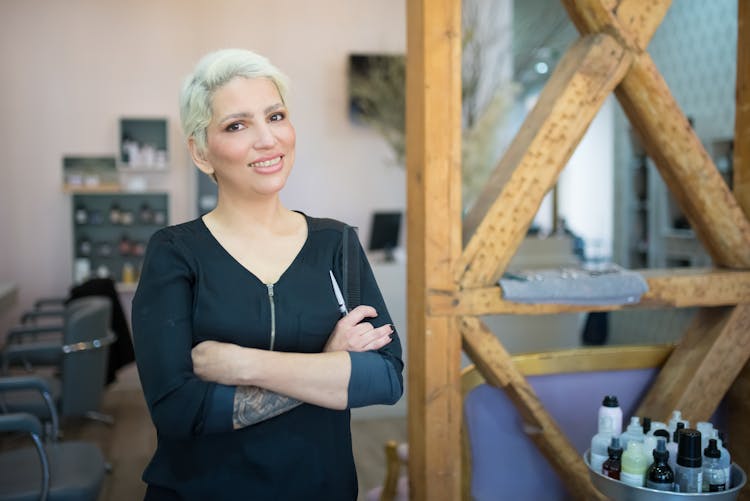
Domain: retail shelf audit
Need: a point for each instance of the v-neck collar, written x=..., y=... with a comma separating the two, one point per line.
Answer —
x=291, y=264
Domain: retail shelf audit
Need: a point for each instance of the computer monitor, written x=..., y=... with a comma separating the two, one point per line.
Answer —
x=384, y=232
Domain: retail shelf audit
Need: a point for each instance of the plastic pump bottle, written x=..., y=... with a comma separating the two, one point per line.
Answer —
x=600, y=442
x=714, y=479
x=659, y=475
x=687, y=475
x=613, y=465
x=633, y=432
x=611, y=408
x=634, y=465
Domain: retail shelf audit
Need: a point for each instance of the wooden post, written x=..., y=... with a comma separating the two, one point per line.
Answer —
x=433, y=156
x=738, y=404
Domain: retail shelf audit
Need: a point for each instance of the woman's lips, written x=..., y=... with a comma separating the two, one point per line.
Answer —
x=267, y=166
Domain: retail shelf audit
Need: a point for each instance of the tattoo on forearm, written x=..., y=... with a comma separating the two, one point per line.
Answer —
x=253, y=405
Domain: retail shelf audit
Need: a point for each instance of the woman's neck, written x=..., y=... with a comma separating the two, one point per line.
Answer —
x=244, y=213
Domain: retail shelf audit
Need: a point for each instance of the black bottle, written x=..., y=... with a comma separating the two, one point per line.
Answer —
x=659, y=475
x=613, y=465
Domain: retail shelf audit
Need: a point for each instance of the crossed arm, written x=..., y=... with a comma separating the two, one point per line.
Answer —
x=270, y=383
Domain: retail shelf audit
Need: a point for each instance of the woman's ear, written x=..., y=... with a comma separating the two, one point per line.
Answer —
x=199, y=157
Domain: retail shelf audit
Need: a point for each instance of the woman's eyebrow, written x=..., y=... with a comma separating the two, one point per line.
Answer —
x=245, y=114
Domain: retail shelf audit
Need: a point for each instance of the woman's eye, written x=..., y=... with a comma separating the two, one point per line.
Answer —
x=234, y=127
x=277, y=116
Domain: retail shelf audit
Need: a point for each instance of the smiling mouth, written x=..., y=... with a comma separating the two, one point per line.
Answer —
x=265, y=163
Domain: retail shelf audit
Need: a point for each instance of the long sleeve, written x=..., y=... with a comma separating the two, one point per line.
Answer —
x=181, y=404
x=376, y=376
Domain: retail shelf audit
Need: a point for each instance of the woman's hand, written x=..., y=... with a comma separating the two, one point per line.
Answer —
x=219, y=362
x=352, y=334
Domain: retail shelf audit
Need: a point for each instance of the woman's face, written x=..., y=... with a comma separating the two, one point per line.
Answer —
x=250, y=140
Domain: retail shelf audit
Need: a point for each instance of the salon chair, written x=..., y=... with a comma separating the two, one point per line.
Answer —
x=77, y=388
x=60, y=471
x=44, y=323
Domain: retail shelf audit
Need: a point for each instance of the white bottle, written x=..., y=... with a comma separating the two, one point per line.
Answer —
x=633, y=432
x=676, y=418
x=649, y=444
x=600, y=442
x=658, y=425
x=705, y=428
x=611, y=408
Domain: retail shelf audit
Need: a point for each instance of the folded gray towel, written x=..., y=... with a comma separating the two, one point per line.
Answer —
x=613, y=285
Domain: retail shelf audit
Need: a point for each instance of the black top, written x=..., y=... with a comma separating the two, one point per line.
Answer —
x=191, y=289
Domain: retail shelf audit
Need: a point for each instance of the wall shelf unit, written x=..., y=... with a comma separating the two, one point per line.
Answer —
x=111, y=230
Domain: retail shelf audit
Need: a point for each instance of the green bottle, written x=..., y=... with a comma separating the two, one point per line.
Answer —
x=634, y=465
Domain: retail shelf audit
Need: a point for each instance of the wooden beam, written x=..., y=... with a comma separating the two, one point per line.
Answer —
x=433, y=119
x=677, y=288
x=738, y=405
x=686, y=167
x=632, y=22
x=702, y=366
x=640, y=19
x=496, y=365
x=501, y=216
x=742, y=110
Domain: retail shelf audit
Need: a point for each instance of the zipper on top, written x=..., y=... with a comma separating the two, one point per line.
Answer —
x=273, y=315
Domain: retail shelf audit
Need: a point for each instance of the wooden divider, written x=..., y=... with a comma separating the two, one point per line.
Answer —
x=447, y=289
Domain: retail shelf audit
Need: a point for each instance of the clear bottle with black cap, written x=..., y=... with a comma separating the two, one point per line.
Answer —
x=714, y=479
x=688, y=472
x=659, y=475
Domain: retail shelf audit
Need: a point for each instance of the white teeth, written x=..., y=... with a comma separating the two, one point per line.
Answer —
x=266, y=163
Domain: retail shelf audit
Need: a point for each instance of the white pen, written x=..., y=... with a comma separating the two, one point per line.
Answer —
x=339, y=296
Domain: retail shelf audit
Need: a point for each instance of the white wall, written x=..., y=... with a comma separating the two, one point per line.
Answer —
x=586, y=185
x=71, y=69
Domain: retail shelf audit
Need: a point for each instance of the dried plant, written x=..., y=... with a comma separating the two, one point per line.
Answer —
x=486, y=98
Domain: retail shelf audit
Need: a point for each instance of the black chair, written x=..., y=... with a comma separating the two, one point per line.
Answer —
x=78, y=388
x=60, y=471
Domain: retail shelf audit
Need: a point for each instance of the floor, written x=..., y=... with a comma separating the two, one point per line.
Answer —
x=128, y=443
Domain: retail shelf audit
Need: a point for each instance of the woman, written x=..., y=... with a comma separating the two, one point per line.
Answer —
x=248, y=367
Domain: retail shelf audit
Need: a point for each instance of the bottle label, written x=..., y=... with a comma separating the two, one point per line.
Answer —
x=632, y=478
x=717, y=487
x=659, y=486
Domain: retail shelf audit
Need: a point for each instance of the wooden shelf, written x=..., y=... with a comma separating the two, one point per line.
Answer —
x=668, y=288
x=99, y=188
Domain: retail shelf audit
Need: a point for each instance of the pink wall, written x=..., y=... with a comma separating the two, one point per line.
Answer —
x=70, y=69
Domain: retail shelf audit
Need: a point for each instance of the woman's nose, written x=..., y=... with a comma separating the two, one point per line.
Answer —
x=265, y=137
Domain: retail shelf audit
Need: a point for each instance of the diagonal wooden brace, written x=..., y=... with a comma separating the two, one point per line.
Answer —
x=503, y=212
x=497, y=368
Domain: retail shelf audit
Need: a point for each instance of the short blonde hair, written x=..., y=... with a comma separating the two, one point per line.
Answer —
x=212, y=71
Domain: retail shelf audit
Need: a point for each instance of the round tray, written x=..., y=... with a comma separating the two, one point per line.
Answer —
x=620, y=491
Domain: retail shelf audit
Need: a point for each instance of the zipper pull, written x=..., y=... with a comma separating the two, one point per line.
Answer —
x=270, y=289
